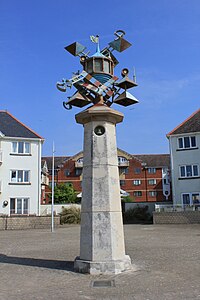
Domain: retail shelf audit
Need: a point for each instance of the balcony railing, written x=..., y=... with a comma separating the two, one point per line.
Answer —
x=78, y=164
x=123, y=163
x=178, y=208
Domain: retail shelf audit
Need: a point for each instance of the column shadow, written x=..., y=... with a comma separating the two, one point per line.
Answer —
x=36, y=262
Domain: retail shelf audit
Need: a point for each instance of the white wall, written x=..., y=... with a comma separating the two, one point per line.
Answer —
x=183, y=157
x=46, y=208
x=20, y=162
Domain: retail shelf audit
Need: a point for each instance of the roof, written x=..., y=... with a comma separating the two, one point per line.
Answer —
x=58, y=161
x=151, y=160
x=11, y=127
x=154, y=160
x=191, y=124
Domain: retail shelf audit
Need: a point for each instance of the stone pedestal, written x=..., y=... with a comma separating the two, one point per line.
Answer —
x=102, y=238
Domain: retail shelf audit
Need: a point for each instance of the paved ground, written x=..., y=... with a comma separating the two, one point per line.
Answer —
x=38, y=264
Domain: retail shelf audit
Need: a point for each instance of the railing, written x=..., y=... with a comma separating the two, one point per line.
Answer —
x=78, y=164
x=123, y=163
x=172, y=208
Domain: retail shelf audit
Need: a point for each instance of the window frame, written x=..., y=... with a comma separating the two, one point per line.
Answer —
x=122, y=182
x=20, y=176
x=137, y=193
x=185, y=170
x=182, y=142
x=191, y=200
x=151, y=170
x=153, y=194
x=20, y=148
x=137, y=182
x=152, y=180
x=19, y=207
x=137, y=170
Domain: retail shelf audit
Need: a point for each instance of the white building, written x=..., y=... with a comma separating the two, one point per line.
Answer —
x=184, y=143
x=20, y=167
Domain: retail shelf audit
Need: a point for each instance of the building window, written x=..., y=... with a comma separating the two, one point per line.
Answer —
x=137, y=193
x=122, y=182
x=80, y=160
x=20, y=176
x=152, y=193
x=19, y=206
x=122, y=160
x=78, y=172
x=191, y=199
x=188, y=171
x=151, y=170
x=67, y=172
x=124, y=170
x=152, y=181
x=137, y=170
x=136, y=182
x=20, y=147
x=187, y=142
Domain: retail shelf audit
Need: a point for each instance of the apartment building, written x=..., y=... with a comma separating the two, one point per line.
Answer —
x=145, y=177
x=184, y=143
x=20, y=167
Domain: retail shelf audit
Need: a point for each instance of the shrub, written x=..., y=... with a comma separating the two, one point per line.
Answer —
x=138, y=214
x=71, y=215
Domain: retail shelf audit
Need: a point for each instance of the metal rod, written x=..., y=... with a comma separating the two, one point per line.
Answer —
x=52, y=193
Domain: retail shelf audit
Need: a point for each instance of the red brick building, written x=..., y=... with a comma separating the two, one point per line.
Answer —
x=145, y=177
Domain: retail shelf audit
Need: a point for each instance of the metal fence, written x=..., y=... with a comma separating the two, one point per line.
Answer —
x=171, y=208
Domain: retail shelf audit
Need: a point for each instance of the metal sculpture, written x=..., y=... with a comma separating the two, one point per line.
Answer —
x=97, y=79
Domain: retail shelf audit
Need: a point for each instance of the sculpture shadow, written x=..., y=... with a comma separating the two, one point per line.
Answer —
x=36, y=262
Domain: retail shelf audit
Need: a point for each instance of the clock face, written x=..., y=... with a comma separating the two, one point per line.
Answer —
x=99, y=130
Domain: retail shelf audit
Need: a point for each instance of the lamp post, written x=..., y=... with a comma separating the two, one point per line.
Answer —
x=102, y=249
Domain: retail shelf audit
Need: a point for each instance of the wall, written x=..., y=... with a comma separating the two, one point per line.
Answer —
x=151, y=205
x=20, y=162
x=183, y=157
x=184, y=217
x=46, y=209
x=27, y=222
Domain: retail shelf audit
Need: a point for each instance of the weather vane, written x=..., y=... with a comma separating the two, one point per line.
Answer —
x=97, y=82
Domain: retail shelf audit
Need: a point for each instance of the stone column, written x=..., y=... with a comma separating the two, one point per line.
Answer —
x=102, y=247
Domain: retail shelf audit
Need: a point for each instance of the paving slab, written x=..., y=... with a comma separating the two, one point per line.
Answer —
x=38, y=264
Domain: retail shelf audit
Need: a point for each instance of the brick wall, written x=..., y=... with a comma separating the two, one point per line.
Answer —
x=2, y=223
x=184, y=217
x=27, y=222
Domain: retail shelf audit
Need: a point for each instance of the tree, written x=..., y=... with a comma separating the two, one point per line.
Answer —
x=64, y=193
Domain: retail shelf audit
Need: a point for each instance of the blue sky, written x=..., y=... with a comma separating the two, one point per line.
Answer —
x=165, y=37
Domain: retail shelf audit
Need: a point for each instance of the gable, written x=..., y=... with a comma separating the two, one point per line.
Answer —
x=190, y=125
x=11, y=127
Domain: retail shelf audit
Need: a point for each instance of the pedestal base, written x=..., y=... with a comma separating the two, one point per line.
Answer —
x=105, y=267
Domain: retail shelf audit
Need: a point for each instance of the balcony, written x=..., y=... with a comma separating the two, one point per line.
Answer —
x=123, y=163
x=78, y=164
